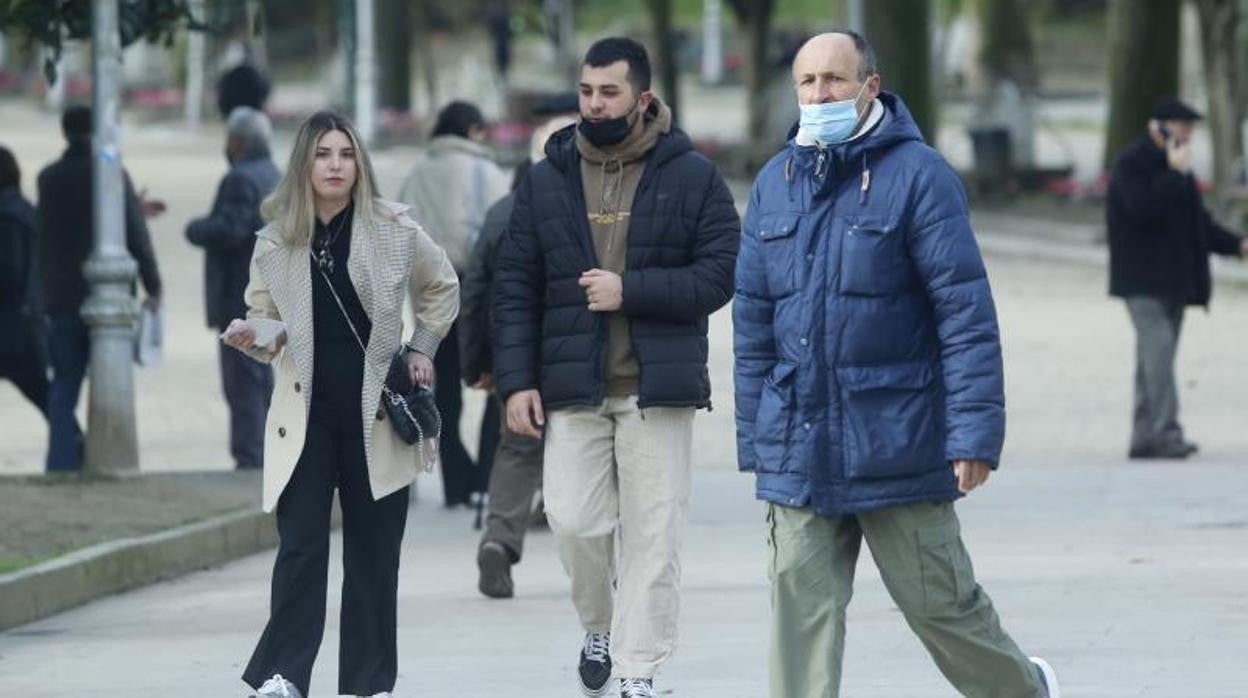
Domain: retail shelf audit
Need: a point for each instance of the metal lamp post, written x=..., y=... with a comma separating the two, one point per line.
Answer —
x=110, y=310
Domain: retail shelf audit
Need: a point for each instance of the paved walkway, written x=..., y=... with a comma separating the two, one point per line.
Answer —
x=1129, y=585
x=1128, y=577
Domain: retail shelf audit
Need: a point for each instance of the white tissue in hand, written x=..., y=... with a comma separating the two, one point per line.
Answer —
x=267, y=331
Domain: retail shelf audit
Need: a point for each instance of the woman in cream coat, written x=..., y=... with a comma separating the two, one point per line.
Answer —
x=334, y=264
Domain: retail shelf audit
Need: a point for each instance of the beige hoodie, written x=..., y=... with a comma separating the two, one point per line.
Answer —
x=610, y=177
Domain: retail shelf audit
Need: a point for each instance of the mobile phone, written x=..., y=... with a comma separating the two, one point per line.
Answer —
x=1165, y=132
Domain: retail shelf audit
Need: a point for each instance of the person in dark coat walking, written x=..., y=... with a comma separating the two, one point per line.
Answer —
x=1160, y=239
x=869, y=382
x=228, y=236
x=23, y=352
x=621, y=244
x=517, y=473
x=66, y=233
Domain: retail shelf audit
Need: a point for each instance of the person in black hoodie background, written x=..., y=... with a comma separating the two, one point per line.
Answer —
x=1160, y=239
x=66, y=233
x=23, y=355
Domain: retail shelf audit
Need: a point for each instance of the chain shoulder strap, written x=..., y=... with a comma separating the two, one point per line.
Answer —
x=341, y=307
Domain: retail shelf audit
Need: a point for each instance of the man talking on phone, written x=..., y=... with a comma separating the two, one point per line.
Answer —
x=1160, y=239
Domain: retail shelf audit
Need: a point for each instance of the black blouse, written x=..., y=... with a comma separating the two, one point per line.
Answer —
x=338, y=362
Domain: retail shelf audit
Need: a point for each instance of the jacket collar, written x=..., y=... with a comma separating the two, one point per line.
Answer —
x=78, y=148
x=450, y=143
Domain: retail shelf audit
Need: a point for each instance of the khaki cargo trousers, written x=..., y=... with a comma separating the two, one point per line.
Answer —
x=924, y=565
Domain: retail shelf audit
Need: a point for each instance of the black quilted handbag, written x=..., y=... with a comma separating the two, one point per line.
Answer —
x=411, y=407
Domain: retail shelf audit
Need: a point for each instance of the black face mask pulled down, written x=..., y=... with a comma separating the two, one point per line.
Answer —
x=608, y=132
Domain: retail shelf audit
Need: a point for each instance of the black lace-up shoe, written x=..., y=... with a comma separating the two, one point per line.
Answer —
x=594, y=669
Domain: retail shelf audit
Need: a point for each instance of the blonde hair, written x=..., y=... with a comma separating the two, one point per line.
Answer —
x=290, y=208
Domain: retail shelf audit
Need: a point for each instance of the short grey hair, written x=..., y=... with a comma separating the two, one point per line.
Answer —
x=868, y=65
x=251, y=127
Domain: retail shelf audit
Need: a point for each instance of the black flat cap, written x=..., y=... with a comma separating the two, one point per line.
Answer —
x=1171, y=109
x=562, y=103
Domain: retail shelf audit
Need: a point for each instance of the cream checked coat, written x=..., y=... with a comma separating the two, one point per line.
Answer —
x=386, y=258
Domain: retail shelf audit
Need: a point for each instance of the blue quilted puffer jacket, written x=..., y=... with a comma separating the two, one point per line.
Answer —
x=867, y=351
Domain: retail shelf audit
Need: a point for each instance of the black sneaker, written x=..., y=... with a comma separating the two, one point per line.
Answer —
x=636, y=688
x=494, y=563
x=1168, y=451
x=594, y=669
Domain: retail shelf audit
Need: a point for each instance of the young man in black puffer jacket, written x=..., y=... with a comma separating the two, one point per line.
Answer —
x=622, y=242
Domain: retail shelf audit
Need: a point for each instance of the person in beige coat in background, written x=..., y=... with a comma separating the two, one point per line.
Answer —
x=453, y=183
x=333, y=266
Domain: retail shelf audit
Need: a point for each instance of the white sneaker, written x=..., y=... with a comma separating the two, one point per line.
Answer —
x=277, y=687
x=636, y=688
x=1047, y=676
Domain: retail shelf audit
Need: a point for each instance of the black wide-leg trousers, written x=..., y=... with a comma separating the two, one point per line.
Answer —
x=372, y=530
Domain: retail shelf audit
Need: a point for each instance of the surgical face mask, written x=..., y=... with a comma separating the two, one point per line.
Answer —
x=609, y=132
x=831, y=122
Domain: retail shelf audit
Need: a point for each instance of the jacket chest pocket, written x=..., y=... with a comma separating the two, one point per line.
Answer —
x=782, y=249
x=874, y=260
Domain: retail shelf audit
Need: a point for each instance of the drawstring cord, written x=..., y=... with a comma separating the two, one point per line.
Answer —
x=609, y=200
x=866, y=180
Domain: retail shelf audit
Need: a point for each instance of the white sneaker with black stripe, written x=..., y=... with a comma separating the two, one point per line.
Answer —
x=1047, y=676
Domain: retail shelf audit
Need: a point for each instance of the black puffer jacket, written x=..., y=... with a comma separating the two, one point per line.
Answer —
x=476, y=291
x=682, y=246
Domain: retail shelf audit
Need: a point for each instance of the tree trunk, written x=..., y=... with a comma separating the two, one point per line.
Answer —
x=424, y=58
x=1007, y=61
x=1144, y=66
x=365, y=71
x=901, y=32
x=257, y=42
x=754, y=17
x=665, y=53
x=712, y=42
x=1219, y=24
x=394, y=53
x=561, y=27
x=1006, y=49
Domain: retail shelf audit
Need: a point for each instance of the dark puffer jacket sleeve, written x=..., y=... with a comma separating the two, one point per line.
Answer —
x=233, y=221
x=475, y=351
x=519, y=288
x=692, y=292
x=949, y=264
x=754, y=339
